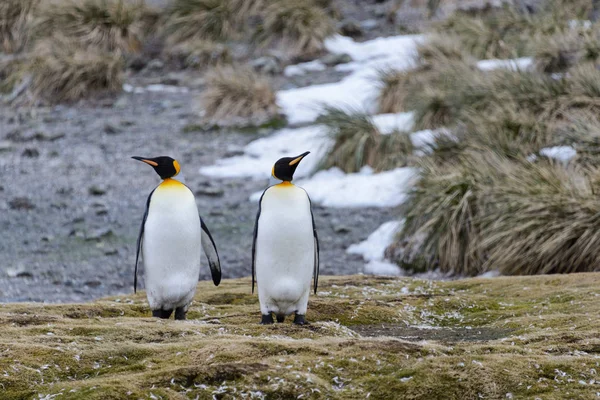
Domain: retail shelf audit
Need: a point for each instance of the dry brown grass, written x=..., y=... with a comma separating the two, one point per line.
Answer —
x=558, y=53
x=200, y=19
x=198, y=53
x=16, y=18
x=106, y=24
x=238, y=95
x=298, y=28
x=63, y=71
x=357, y=142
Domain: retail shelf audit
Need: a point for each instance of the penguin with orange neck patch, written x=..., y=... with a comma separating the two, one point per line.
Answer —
x=285, y=252
x=169, y=240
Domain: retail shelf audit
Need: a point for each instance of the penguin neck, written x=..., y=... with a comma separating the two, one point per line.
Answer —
x=285, y=184
x=170, y=182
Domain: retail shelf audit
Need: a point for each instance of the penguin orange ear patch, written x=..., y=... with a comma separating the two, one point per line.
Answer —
x=176, y=166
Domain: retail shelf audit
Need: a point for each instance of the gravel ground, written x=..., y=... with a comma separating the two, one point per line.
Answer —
x=71, y=198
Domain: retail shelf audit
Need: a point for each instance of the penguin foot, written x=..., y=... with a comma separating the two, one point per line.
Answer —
x=266, y=319
x=300, y=320
x=180, y=313
x=164, y=314
x=280, y=318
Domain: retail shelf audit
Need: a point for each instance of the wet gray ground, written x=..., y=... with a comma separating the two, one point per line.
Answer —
x=72, y=199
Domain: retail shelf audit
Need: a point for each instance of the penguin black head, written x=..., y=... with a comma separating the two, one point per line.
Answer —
x=165, y=167
x=285, y=167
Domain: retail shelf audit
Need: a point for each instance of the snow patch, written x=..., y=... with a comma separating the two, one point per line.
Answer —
x=563, y=154
x=260, y=155
x=303, y=68
x=157, y=88
x=358, y=90
x=373, y=248
x=388, y=123
x=516, y=64
x=334, y=188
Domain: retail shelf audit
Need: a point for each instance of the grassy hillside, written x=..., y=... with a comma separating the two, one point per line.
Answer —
x=522, y=337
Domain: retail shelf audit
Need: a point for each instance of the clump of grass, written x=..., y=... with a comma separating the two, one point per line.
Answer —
x=200, y=19
x=15, y=24
x=542, y=219
x=497, y=34
x=443, y=211
x=199, y=53
x=63, y=71
x=557, y=53
x=11, y=72
x=441, y=49
x=358, y=142
x=298, y=27
x=395, y=86
x=585, y=81
x=109, y=25
x=235, y=94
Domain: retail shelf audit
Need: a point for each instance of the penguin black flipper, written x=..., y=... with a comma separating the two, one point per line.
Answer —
x=254, y=240
x=139, y=241
x=316, y=267
x=210, y=249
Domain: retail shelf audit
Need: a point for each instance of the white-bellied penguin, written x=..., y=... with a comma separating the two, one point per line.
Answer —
x=285, y=252
x=170, y=239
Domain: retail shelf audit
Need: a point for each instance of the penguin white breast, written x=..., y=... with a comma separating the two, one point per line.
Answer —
x=285, y=246
x=171, y=247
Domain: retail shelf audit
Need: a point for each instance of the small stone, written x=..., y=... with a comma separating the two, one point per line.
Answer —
x=97, y=190
x=123, y=102
x=266, y=65
x=126, y=122
x=351, y=28
x=47, y=238
x=369, y=24
x=341, y=229
x=137, y=63
x=19, y=272
x=31, y=152
x=331, y=60
x=110, y=129
x=155, y=65
x=21, y=203
x=6, y=145
x=99, y=234
x=93, y=284
x=111, y=252
x=210, y=192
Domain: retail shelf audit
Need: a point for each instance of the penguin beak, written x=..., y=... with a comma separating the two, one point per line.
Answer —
x=299, y=158
x=146, y=160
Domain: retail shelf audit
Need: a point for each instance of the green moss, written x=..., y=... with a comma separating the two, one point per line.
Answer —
x=383, y=336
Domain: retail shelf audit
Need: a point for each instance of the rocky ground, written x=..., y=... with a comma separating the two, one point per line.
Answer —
x=71, y=198
x=501, y=338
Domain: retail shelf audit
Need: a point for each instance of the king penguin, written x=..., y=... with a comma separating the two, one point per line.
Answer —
x=169, y=240
x=285, y=251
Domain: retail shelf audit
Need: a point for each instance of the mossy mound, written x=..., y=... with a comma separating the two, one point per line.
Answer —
x=518, y=337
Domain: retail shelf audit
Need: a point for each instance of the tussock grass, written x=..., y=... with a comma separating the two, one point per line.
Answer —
x=585, y=81
x=198, y=53
x=542, y=219
x=200, y=19
x=438, y=49
x=298, y=27
x=558, y=53
x=443, y=212
x=15, y=24
x=238, y=94
x=110, y=25
x=498, y=34
x=63, y=71
x=358, y=142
